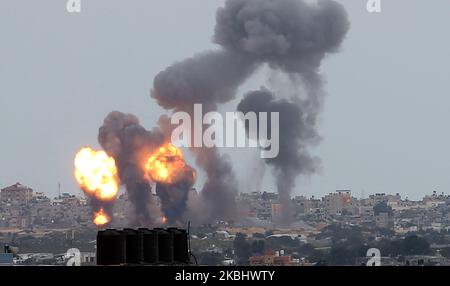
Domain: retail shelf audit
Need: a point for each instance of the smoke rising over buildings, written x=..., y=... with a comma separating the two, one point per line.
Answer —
x=293, y=37
x=296, y=134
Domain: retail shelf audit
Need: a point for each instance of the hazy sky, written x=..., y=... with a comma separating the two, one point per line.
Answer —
x=384, y=125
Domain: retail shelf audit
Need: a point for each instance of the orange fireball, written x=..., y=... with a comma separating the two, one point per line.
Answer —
x=101, y=218
x=97, y=174
x=166, y=164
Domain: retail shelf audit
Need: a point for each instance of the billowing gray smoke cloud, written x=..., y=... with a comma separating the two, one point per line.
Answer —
x=296, y=134
x=130, y=144
x=209, y=78
x=288, y=34
x=292, y=36
x=123, y=138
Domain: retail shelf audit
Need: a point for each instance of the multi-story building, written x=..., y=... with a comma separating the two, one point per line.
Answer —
x=304, y=205
x=16, y=193
x=276, y=258
x=340, y=203
x=384, y=220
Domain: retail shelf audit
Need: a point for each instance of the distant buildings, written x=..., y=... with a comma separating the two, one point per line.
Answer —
x=275, y=211
x=384, y=220
x=276, y=258
x=6, y=259
x=88, y=258
x=340, y=203
x=380, y=217
x=305, y=206
x=16, y=193
x=380, y=210
x=21, y=208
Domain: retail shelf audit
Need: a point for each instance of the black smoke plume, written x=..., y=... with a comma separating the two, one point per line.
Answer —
x=123, y=138
x=174, y=196
x=130, y=144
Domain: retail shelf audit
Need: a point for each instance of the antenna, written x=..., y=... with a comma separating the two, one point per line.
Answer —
x=59, y=190
x=189, y=243
x=189, y=235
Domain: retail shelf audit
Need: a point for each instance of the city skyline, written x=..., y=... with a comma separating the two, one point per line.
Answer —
x=382, y=126
x=360, y=196
x=337, y=229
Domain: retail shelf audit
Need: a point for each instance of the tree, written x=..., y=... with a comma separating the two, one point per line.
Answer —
x=445, y=252
x=410, y=245
x=342, y=255
x=283, y=242
x=258, y=247
x=414, y=245
x=208, y=258
x=241, y=248
x=313, y=255
x=258, y=235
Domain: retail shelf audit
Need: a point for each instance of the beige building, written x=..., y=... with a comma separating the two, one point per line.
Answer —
x=17, y=193
x=340, y=203
x=276, y=258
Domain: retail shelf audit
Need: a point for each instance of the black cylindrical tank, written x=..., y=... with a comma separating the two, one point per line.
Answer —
x=134, y=241
x=150, y=245
x=165, y=245
x=111, y=248
x=180, y=245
